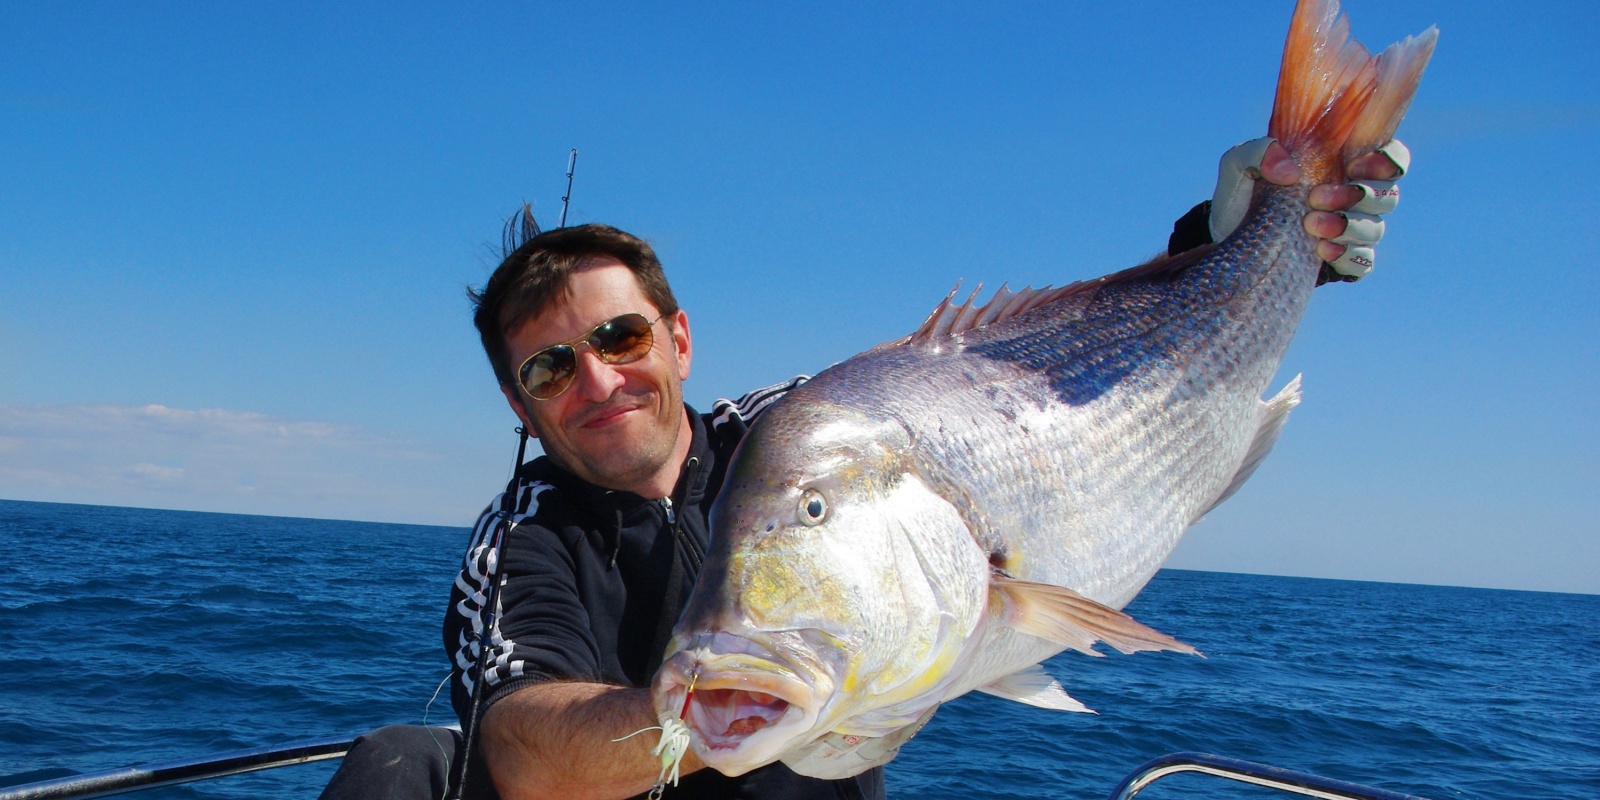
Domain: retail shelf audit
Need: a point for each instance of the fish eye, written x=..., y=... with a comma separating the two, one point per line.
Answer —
x=813, y=507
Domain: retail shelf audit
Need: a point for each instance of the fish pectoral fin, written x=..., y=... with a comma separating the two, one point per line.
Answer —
x=1035, y=687
x=1066, y=617
x=1270, y=419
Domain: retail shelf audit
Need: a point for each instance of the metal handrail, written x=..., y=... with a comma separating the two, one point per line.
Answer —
x=1247, y=772
x=149, y=776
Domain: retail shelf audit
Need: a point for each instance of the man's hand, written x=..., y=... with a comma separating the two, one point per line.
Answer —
x=1347, y=217
x=556, y=740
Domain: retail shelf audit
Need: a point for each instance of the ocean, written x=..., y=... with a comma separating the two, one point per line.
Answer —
x=134, y=635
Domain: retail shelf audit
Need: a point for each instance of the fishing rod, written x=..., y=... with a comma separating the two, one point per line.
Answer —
x=486, y=616
x=572, y=166
x=493, y=580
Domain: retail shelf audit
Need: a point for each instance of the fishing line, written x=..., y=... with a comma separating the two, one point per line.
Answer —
x=436, y=690
x=431, y=735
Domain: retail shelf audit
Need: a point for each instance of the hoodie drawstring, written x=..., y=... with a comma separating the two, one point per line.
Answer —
x=616, y=542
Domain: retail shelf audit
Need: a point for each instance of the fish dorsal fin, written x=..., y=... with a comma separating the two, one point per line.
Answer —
x=1271, y=416
x=950, y=320
x=1068, y=618
x=1035, y=687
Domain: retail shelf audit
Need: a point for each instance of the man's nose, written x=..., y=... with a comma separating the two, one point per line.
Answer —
x=596, y=380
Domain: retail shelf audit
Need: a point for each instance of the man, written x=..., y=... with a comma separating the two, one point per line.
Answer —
x=591, y=349
x=604, y=534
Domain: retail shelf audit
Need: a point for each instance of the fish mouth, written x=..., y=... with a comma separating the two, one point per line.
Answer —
x=736, y=713
x=748, y=704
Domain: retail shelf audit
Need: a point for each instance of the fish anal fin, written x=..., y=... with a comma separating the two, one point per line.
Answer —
x=1035, y=687
x=1065, y=617
x=1271, y=416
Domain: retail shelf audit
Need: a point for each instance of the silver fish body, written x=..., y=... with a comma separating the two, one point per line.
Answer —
x=941, y=513
x=1081, y=438
x=1070, y=446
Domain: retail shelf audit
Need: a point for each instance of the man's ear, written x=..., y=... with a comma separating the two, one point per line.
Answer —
x=680, y=337
x=514, y=399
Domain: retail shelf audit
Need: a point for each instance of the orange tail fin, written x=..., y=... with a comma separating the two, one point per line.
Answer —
x=1335, y=100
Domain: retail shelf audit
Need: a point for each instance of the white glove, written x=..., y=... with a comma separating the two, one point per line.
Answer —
x=1241, y=166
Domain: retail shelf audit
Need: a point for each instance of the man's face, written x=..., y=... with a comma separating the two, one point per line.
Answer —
x=617, y=425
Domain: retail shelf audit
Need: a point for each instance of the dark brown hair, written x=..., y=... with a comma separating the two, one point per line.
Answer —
x=537, y=270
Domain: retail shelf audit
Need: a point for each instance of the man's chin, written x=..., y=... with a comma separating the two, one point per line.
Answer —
x=620, y=458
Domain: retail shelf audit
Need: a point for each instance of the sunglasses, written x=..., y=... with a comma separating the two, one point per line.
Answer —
x=619, y=340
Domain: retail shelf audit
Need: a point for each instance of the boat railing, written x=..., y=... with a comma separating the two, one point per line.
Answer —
x=1234, y=769
x=149, y=776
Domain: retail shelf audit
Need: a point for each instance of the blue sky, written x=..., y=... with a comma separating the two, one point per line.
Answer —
x=234, y=240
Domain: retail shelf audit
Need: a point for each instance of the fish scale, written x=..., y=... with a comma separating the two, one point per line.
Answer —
x=1087, y=385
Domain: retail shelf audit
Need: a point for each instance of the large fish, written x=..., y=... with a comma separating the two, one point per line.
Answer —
x=941, y=513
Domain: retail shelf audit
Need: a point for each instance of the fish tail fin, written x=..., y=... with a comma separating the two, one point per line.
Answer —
x=1335, y=100
x=1400, y=67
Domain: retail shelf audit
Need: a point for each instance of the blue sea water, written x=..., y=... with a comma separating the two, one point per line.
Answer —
x=133, y=635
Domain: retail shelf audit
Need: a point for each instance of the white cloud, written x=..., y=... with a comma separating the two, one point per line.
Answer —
x=156, y=473
x=236, y=461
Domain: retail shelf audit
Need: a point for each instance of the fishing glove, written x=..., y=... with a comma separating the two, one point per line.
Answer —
x=1236, y=177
